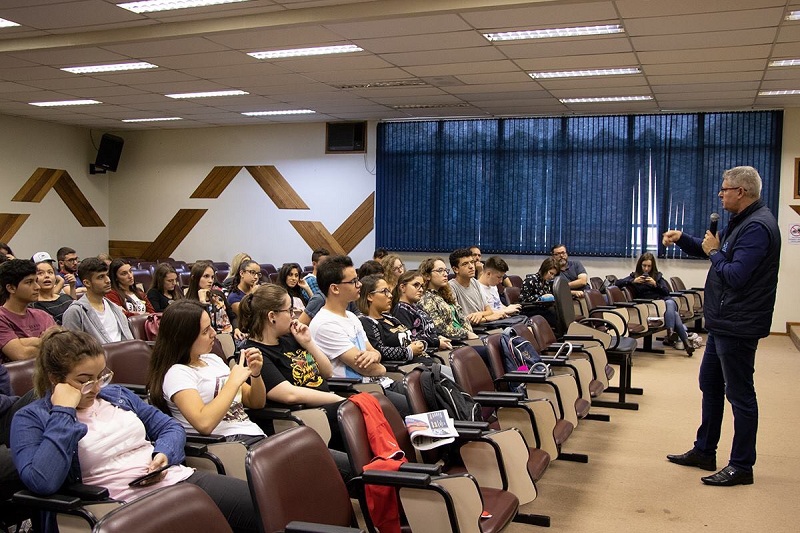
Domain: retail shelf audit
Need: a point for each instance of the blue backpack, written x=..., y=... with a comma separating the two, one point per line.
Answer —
x=518, y=352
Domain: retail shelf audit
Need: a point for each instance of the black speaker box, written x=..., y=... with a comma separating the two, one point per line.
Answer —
x=345, y=137
x=107, y=154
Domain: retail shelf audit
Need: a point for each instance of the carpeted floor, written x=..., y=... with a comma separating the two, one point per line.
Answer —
x=629, y=486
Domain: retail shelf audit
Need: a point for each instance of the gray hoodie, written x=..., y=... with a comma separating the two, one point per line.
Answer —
x=81, y=316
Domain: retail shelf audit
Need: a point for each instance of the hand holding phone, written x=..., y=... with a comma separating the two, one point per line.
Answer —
x=149, y=478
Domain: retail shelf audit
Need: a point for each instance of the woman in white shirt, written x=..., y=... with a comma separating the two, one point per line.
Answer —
x=196, y=386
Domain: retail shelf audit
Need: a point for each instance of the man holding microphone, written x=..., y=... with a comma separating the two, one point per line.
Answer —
x=739, y=301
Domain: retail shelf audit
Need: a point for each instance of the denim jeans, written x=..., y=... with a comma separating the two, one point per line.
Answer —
x=727, y=371
x=672, y=320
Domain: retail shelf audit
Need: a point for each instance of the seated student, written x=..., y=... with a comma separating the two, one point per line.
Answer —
x=379, y=254
x=440, y=304
x=68, y=270
x=58, y=283
x=408, y=291
x=538, y=286
x=317, y=258
x=236, y=262
x=370, y=267
x=105, y=258
x=189, y=382
x=20, y=326
x=572, y=271
x=84, y=429
x=384, y=332
x=244, y=282
x=493, y=273
x=647, y=282
x=467, y=289
x=124, y=291
x=298, y=289
x=50, y=300
x=93, y=312
x=295, y=370
x=340, y=335
x=5, y=250
x=393, y=267
x=165, y=289
x=201, y=288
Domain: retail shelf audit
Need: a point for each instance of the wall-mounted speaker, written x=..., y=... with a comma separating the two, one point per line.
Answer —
x=107, y=154
x=345, y=137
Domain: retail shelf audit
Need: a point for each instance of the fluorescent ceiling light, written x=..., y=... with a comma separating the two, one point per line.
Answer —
x=383, y=84
x=581, y=73
x=793, y=15
x=65, y=103
x=579, y=31
x=207, y=94
x=284, y=112
x=779, y=93
x=605, y=99
x=7, y=23
x=429, y=106
x=109, y=68
x=785, y=63
x=163, y=119
x=300, y=52
x=149, y=6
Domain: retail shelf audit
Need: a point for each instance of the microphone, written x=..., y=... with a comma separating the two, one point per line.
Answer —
x=713, y=226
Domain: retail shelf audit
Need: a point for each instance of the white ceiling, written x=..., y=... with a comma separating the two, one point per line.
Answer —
x=695, y=55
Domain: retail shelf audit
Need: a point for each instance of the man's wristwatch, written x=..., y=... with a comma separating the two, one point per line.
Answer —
x=712, y=251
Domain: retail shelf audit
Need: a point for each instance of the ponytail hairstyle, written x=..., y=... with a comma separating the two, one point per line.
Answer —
x=255, y=307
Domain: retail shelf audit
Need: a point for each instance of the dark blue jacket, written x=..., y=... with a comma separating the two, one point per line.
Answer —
x=743, y=278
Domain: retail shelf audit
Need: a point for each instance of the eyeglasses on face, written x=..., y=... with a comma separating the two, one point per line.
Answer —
x=71, y=260
x=399, y=268
x=442, y=271
x=101, y=382
x=355, y=282
x=291, y=310
x=723, y=189
x=256, y=273
x=384, y=291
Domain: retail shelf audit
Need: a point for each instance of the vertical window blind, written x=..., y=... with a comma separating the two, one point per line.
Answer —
x=604, y=185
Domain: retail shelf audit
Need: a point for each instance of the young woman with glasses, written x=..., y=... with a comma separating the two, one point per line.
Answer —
x=201, y=288
x=84, y=429
x=439, y=302
x=236, y=262
x=407, y=293
x=393, y=268
x=244, y=282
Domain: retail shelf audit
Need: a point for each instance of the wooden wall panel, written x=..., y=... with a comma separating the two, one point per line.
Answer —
x=173, y=234
x=10, y=224
x=76, y=202
x=127, y=248
x=276, y=187
x=38, y=185
x=796, y=208
x=317, y=236
x=357, y=226
x=216, y=182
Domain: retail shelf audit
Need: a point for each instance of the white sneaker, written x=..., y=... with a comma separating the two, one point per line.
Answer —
x=678, y=345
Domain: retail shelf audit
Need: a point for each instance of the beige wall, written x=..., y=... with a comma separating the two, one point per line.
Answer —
x=26, y=145
x=160, y=169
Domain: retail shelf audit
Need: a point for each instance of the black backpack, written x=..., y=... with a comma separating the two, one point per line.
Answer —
x=441, y=392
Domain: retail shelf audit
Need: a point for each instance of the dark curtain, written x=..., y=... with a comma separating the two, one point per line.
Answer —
x=605, y=186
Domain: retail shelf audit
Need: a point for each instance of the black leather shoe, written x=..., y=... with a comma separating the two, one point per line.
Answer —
x=692, y=458
x=728, y=477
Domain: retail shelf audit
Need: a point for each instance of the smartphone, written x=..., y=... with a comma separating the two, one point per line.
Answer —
x=143, y=480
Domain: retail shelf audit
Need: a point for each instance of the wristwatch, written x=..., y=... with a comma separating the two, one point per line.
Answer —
x=712, y=252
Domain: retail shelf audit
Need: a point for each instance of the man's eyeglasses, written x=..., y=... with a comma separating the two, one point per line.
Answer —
x=355, y=282
x=440, y=271
x=723, y=189
x=71, y=260
x=385, y=292
x=256, y=273
x=560, y=253
x=101, y=382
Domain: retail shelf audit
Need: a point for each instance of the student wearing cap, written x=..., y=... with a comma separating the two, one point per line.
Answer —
x=59, y=284
x=50, y=299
